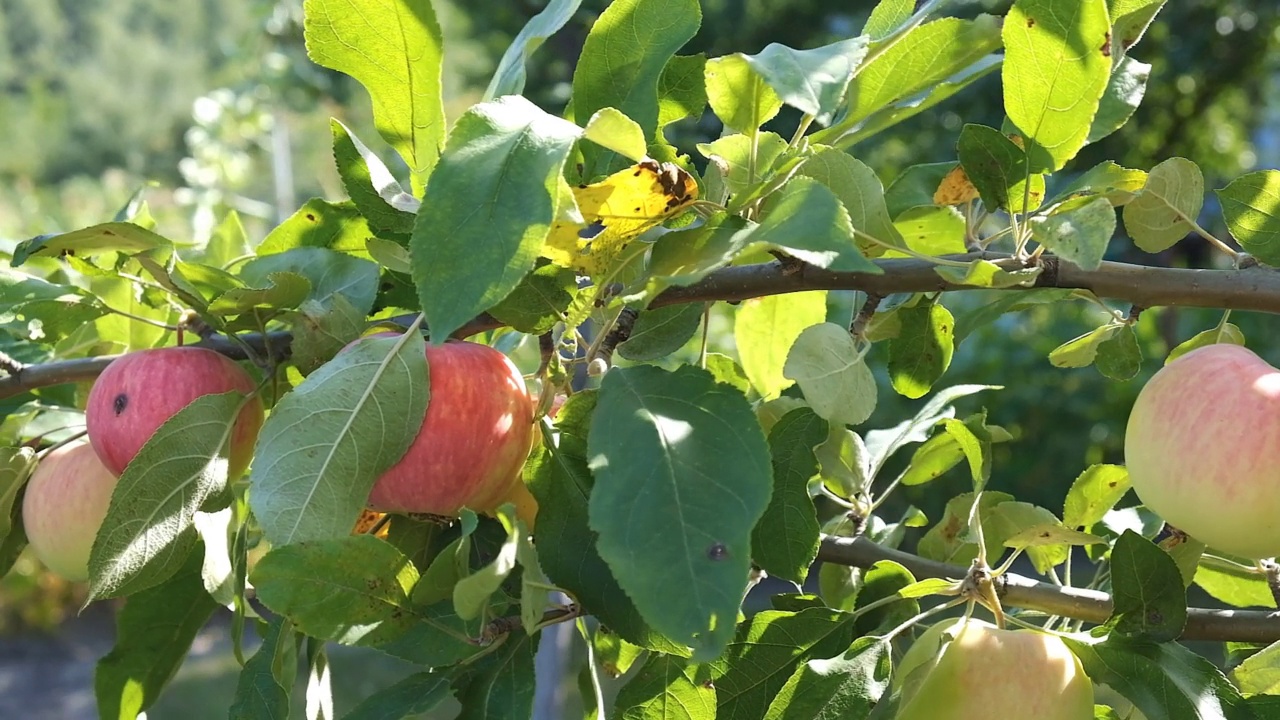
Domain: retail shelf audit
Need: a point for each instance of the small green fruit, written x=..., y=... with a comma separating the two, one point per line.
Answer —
x=976, y=671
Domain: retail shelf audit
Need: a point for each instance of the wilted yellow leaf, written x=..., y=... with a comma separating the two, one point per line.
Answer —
x=368, y=519
x=616, y=210
x=955, y=188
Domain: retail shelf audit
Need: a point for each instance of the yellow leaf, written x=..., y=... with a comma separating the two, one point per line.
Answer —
x=955, y=188
x=368, y=519
x=616, y=210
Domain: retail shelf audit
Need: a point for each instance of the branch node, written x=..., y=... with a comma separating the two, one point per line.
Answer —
x=621, y=331
x=11, y=366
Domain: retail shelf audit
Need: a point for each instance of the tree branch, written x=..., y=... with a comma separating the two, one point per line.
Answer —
x=1092, y=606
x=1255, y=288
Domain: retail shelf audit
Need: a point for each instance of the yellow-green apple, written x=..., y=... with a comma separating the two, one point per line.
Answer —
x=474, y=439
x=65, y=503
x=984, y=672
x=139, y=391
x=1201, y=449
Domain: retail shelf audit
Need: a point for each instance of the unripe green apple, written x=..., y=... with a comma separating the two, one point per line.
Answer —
x=1201, y=449
x=986, y=672
x=138, y=392
x=474, y=439
x=65, y=503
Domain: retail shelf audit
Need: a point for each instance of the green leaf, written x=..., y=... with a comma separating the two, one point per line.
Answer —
x=561, y=482
x=439, y=638
x=950, y=540
x=353, y=590
x=1093, y=494
x=154, y=632
x=148, y=531
x=765, y=329
x=926, y=99
x=1249, y=205
x=974, y=440
x=998, y=168
x=658, y=333
x=533, y=583
x=1056, y=67
x=415, y=695
x=984, y=273
x=738, y=95
x=1119, y=356
x=395, y=51
x=227, y=242
x=1163, y=680
x=357, y=415
x=284, y=291
x=1125, y=89
x=830, y=370
x=915, y=187
x=48, y=312
x=682, y=89
x=120, y=236
x=957, y=441
x=809, y=222
x=843, y=462
x=1023, y=526
x=621, y=62
x=1120, y=185
x=611, y=129
x=1163, y=213
x=1082, y=351
x=320, y=331
x=883, y=580
x=16, y=465
x=1129, y=21
x=370, y=185
x=337, y=226
x=330, y=273
x=883, y=443
x=725, y=370
x=1225, y=332
x=922, y=351
x=539, y=301
x=1078, y=231
x=686, y=256
x=921, y=59
x=1259, y=673
x=760, y=660
x=886, y=17
x=931, y=230
x=858, y=189
x=471, y=593
x=812, y=81
x=668, y=688
x=841, y=688
x=665, y=443
x=502, y=163
x=1240, y=587
x=265, y=683
x=510, y=76
x=1146, y=588
x=785, y=540
x=499, y=686
x=730, y=172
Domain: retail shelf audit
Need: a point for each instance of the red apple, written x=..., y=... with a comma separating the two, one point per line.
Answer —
x=986, y=672
x=138, y=392
x=474, y=439
x=1201, y=449
x=65, y=503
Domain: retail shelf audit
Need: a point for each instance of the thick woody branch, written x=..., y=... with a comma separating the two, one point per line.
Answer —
x=1088, y=605
x=1255, y=288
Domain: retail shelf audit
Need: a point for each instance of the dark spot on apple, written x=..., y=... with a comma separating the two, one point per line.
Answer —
x=311, y=217
x=717, y=552
x=120, y=403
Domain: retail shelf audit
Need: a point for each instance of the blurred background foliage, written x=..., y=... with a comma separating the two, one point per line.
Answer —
x=213, y=106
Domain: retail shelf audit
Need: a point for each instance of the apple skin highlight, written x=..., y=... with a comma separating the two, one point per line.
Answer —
x=1202, y=448
x=65, y=503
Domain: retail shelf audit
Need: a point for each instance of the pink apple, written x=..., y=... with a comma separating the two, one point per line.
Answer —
x=474, y=439
x=65, y=503
x=986, y=672
x=138, y=392
x=1201, y=449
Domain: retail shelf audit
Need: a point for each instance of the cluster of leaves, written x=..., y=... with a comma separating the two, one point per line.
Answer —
x=667, y=489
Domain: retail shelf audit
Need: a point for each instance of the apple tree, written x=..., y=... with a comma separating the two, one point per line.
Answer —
x=542, y=366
